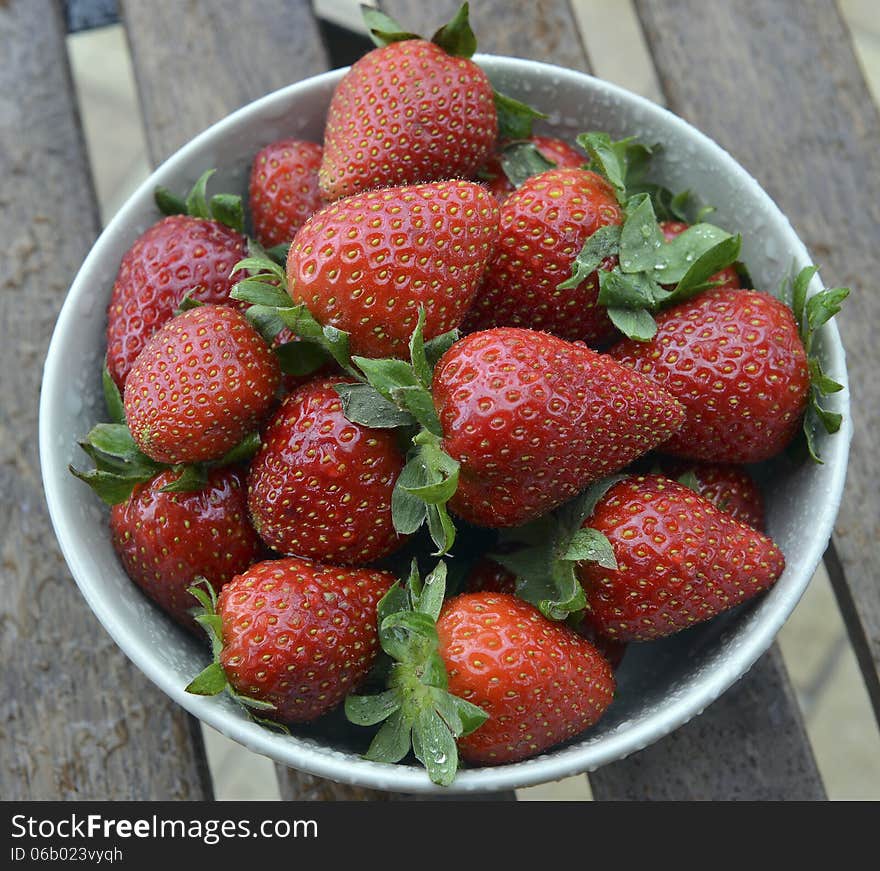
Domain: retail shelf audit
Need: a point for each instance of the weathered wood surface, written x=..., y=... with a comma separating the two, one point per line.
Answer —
x=750, y=745
x=77, y=720
x=778, y=85
x=537, y=29
x=196, y=62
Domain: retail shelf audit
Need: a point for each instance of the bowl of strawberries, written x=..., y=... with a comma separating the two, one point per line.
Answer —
x=448, y=422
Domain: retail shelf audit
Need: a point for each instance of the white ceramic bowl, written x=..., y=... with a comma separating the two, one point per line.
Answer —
x=661, y=685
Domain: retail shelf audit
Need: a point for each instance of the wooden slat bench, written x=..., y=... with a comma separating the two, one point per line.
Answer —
x=776, y=83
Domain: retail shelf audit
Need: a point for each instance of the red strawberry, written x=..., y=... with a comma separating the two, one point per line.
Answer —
x=299, y=635
x=728, y=277
x=539, y=682
x=166, y=540
x=177, y=255
x=284, y=189
x=544, y=225
x=729, y=488
x=534, y=419
x=321, y=485
x=405, y=113
x=204, y=381
x=366, y=264
x=680, y=560
x=556, y=150
x=488, y=576
x=735, y=361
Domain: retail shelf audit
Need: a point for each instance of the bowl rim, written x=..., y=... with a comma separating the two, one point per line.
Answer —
x=306, y=754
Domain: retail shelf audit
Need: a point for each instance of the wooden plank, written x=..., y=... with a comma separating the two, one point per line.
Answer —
x=750, y=745
x=537, y=29
x=196, y=63
x=779, y=87
x=77, y=719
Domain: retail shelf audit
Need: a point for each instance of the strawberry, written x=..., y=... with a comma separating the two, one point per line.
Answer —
x=735, y=360
x=367, y=263
x=483, y=673
x=166, y=539
x=533, y=419
x=176, y=256
x=284, y=189
x=539, y=682
x=202, y=382
x=679, y=559
x=488, y=576
x=543, y=226
x=729, y=488
x=292, y=637
x=557, y=153
x=727, y=278
x=321, y=486
x=407, y=112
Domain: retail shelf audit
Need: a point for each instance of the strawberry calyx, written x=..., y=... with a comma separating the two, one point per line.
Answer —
x=651, y=273
x=384, y=393
x=397, y=394
x=543, y=554
x=811, y=312
x=120, y=465
x=520, y=160
x=212, y=680
x=456, y=38
x=224, y=208
x=417, y=711
x=271, y=310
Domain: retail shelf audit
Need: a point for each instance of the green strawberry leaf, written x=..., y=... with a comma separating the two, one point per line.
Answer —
x=301, y=358
x=605, y=242
x=363, y=404
x=522, y=160
x=209, y=682
x=417, y=711
x=112, y=397
x=543, y=555
x=721, y=255
x=245, y=450
x=370, y=710
x=278, y=253
x=111, y=488
x=590, y=545
x=228, y=209
x=408, y=512
x=191, y=477
x=636, y=324
x=811, y=313
x=392, y=742
x=515, y=118
x=383, y=28
x=435, y=348
x=606, y=158
x=169, y=203
x=197, y=200
x=418, y=356
x=397, y=382
x=456, y=37
x=260, y=292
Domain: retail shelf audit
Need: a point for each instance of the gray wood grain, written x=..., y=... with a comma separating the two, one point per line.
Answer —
x=77, y=720
x=196, y=62
x=537, y=29
x=749, y=745
x=778, y=85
